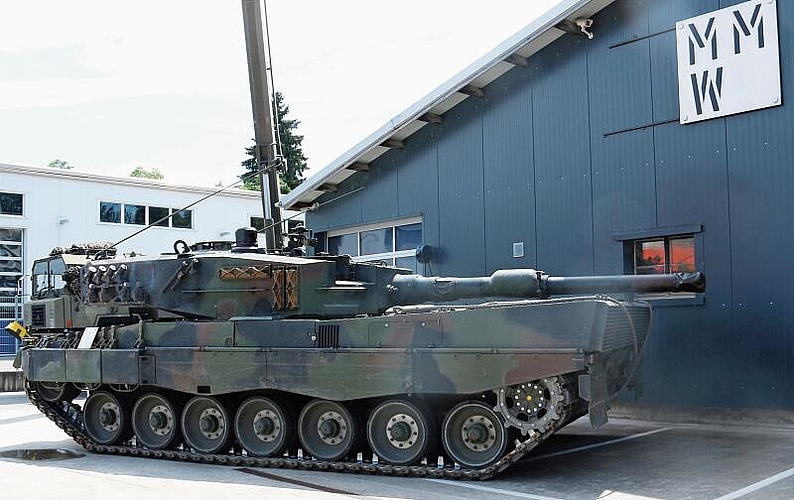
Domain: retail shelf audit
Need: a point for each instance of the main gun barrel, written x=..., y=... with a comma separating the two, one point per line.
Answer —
x=528, y=283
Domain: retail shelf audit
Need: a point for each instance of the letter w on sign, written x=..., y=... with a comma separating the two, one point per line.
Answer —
x=709, y=86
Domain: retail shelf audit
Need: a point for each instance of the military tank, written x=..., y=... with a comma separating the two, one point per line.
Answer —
x=228, y=353
x=248, y=357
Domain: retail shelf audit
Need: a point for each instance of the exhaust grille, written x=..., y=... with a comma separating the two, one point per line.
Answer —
x=328, y=336
x=619, y=329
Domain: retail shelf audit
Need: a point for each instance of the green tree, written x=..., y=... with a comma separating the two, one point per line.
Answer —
x=291, y=151
x=154, y=173
x=56, y=163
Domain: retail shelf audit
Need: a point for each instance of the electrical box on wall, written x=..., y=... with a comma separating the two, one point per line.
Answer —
x=518, y=249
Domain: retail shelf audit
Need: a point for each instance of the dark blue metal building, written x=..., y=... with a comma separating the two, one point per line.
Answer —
x=569, y=154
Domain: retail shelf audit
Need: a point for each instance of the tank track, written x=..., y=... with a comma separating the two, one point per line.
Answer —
x=68, y=417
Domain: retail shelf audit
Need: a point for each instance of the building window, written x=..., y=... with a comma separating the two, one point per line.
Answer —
x=10, y=204
x=159, y=214
x=392, y=244
x=135, y=214
x=141, y=215
x=110, y=212
x=257, y=223
x=182, y=219
x=674, y=254
x=10, y=260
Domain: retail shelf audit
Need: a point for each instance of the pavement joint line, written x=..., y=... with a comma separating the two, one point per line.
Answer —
x=758, y=485
x=489, y=489
x=296, y=482
x=597, y=445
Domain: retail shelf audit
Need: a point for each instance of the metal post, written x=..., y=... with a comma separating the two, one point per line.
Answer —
x=263, y=121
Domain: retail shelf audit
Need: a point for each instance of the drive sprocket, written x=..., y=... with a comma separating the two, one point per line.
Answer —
x=531, y=406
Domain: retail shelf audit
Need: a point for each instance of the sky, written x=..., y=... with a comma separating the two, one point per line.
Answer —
x=108, y=86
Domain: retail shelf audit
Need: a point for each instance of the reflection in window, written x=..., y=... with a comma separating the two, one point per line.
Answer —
x=257, y=223
x=182, y=219
x=393, y=245
x=10, y=234
x=10, y=204
x=409, y=236
x=10, y=266
x=9, y=281
x=109, y=212
x=343, y=244
x=135, y=214
x=157, y=213
x=664, y=255
x=376, y=241
x=10, y=250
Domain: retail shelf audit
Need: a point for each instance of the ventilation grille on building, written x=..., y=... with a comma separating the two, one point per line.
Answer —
x=38, y=315
x=328, y=336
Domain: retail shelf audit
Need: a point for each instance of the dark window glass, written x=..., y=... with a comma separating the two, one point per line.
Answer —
x=135, y=214
x=157, y=213
x=409, y=236
x=343, y=244
x=377, y=241
x=10, y=204
x=320, y=245
x=10, y=251
x=407, y=263
x=257, y=223
x=10, y=234
x=182, y=219
x=292, y=224
x=110, y=212
x=10, y=266
x=8, y=281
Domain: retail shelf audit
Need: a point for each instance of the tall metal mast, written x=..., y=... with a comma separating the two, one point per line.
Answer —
x=263, y=122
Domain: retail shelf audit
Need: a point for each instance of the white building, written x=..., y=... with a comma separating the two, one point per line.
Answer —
x=43, y=208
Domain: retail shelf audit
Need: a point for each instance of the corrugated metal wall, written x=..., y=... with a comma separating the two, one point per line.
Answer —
x=584, y=143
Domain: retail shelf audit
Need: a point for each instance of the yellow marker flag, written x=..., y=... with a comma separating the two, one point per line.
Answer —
x=17, y=330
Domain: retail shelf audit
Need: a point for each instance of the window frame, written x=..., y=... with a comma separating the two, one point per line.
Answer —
x=388, y=257
x=629, y=240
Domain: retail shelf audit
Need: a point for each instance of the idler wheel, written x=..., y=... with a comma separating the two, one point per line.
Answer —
x=264, y=428
x=107, y=418
x=155, y=421
x=473, y=435
x=206, y=425
x=401, y=432
x=327, y=430
x=53, y=392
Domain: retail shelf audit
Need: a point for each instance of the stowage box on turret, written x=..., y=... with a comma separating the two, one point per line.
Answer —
x=241, y=356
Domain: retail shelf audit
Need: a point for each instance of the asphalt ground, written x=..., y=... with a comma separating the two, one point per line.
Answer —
x=621, y=461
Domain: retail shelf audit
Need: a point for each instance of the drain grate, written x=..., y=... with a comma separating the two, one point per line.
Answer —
x=41, y=454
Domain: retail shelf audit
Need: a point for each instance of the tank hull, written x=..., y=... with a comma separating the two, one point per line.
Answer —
x=460, y=350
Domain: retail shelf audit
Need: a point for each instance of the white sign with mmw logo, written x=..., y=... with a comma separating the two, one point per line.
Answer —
x=728, y=61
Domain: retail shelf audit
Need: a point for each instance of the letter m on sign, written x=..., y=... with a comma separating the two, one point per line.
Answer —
x=707, y=89
x=696, y=38
x=741, y=27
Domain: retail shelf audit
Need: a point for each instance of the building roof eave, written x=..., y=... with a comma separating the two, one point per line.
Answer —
x=541, y=32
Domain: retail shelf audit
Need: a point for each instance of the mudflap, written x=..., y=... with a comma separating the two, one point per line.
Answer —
x=593, y=388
